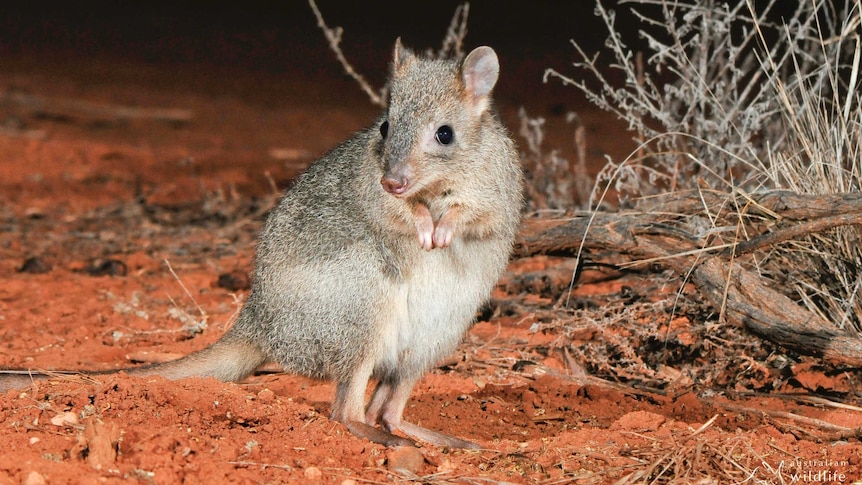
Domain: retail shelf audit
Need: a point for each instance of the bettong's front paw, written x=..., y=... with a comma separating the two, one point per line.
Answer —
x=424, y=227
x=443, y=234
x=432, y=235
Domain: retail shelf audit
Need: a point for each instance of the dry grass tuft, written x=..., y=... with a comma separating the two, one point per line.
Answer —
x=556, y=183
x=703, y=458
x=737, y=99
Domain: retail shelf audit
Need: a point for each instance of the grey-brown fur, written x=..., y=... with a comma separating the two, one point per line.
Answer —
x=374, y=264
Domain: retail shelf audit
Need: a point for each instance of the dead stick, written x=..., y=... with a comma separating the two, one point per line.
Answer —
x=818, y=424
x=745, y=297
x=799, y=230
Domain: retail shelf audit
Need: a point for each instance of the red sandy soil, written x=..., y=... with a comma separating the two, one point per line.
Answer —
x=131, y=224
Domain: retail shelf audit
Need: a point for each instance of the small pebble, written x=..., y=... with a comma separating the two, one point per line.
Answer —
x=65, y=419
x=35, y=478
x=312, y=473
x=35, y=265
x=406, y=459
x=446, y=466
x=107, y=267
x=265, y=396
x=234, y=281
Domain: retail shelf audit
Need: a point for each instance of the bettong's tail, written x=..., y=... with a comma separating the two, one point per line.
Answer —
x=228, y=359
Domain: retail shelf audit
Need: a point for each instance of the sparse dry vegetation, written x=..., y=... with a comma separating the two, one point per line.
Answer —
x=735, y=100
x=745, y=183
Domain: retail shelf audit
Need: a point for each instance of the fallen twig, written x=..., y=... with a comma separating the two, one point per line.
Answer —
x=662, y=235
x=816, y=426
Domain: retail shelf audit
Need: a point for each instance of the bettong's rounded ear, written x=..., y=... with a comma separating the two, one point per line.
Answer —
x=480, y=70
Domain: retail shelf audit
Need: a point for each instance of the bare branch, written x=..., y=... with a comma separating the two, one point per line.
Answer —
x=333, y=36
x=453, y=43
x=677, y=242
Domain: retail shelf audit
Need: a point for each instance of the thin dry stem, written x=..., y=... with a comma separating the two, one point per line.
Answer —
x=333, y=36
x=452, y=46
x=782, y=110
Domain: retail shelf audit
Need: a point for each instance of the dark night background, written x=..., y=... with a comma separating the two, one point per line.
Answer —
x=282, y=39
x=267, y=35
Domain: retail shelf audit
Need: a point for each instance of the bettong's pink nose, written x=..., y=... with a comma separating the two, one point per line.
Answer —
x=393, y=186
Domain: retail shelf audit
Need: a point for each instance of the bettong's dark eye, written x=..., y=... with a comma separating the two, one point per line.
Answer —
x=384, y=129
x=444, y=135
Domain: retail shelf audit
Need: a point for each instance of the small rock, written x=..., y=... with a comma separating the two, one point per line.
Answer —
x=35, y=265
x=446, y=466
x=348, y=481
x=406, y=460
x=234, y=281
x=107, y=267
x=312, y=473
x=35, y=212
x=35, y=478
x=639, y=421
x=65, y=419
x=265, y=396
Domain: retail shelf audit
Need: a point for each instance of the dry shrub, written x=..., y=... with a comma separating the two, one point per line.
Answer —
x=706, y=458
x=736, y=98
x=666, y=345
x=555, y=183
